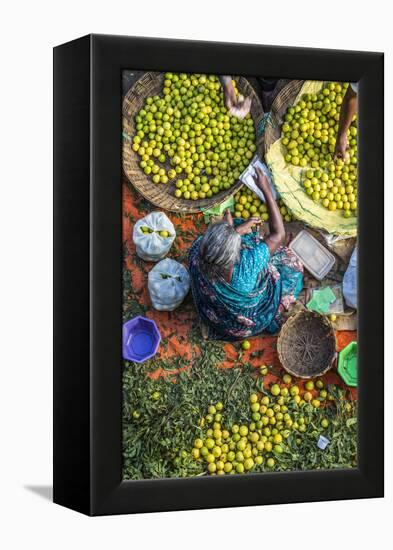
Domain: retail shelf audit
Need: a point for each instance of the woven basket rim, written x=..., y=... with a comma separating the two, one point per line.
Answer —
x=289, y=325
x=159, y=195
x=281, y=102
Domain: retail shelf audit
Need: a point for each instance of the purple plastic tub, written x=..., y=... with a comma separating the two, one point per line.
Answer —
x=141, y=338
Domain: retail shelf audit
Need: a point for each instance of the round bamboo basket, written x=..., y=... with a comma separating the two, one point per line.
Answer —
x=162, y=195
x=306, y=344
x=283, y=100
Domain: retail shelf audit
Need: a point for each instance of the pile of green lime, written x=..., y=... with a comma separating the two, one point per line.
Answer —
x=186, y=136
x=248, y=204
x=276, y=416
x=309, y=135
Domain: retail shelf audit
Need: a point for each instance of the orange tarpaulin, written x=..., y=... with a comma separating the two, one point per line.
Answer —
x=175, y=326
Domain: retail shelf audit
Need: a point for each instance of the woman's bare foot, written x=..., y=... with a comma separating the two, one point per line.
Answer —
x=204, y=330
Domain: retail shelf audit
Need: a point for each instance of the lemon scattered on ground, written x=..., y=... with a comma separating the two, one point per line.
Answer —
x=263, y=370
x=276, y=422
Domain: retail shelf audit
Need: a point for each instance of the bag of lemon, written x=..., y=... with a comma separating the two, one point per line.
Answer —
x=169, y=283
x=153, y=236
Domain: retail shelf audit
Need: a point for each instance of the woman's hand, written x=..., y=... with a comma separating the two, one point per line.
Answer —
x=262, y=183
x=227, y=217
x=247, y=226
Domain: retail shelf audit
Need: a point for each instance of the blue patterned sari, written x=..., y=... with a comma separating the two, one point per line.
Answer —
x=261, y=288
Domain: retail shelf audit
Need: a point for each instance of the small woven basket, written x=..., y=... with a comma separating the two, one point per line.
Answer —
x=161, y=195
x=306, y=345
x=283, y=100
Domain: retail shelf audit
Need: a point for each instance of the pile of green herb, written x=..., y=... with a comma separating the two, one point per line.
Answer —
x=162, y=418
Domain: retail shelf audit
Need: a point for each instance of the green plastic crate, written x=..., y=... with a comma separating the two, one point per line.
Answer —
x=348, y=364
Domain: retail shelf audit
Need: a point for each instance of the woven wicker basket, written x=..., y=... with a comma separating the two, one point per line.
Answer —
x=162, y=195
x=306, y=345
x=284, y=99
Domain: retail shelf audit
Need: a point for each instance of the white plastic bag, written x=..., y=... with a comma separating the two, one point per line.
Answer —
x=169, y=283
x=350, y=286
x=153, y=236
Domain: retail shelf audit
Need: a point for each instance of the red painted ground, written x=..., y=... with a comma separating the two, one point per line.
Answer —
x=176, y=325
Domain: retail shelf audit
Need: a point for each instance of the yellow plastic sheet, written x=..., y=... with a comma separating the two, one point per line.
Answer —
x=288, y=178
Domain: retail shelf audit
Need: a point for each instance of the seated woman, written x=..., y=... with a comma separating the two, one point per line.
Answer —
x=242, y=282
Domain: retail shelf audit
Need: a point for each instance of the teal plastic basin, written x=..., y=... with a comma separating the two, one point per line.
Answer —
x=348, y=364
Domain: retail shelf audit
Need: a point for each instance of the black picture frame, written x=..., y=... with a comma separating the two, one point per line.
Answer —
x=88, y=275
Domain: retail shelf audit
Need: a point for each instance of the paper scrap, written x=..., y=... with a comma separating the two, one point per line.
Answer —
x=247, y=177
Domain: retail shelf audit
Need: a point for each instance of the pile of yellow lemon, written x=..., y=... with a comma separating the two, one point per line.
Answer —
x=248, y=204
x=309, y=135
x=186, y=136
x=242, y=448
x=334, y=189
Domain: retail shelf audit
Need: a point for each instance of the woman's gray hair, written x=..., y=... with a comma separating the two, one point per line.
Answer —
x=219, y=250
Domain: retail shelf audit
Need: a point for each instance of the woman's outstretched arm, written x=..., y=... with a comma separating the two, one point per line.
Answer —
x=276, y=236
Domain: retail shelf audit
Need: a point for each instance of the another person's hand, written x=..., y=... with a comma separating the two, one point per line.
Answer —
x=242, y=107
x=237, y=106
x=348, y=109
x=230, y=98
x=247, y=226
x=340, y=150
